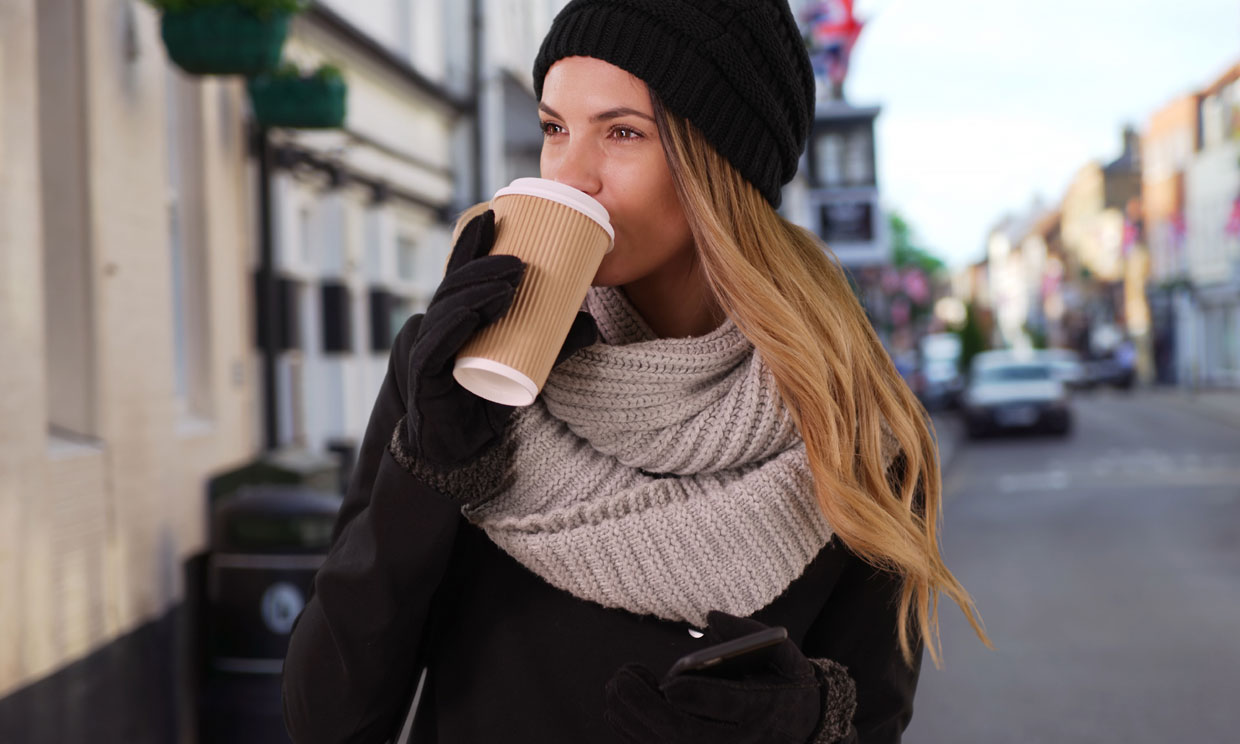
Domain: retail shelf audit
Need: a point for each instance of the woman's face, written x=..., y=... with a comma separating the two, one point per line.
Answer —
x=599, y=136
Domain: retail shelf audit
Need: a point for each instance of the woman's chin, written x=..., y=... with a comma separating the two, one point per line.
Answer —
x=607, y=276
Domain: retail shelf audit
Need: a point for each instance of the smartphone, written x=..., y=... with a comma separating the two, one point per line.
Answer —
x=737, y=656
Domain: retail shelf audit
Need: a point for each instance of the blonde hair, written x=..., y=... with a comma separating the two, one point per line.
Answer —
x=791, y=299
x=788, y=294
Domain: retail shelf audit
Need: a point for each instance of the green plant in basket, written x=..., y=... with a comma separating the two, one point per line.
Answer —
x=260, y=8
x=225, y=37
x=288, y=97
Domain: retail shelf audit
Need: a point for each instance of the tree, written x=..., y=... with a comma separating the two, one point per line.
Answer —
x=903, y=251
x=972, y=339
x=910, y=280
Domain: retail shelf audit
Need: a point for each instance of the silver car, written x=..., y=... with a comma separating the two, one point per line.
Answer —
x=1014, y=391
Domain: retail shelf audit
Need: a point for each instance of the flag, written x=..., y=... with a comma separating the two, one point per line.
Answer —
x=833, y=30
x=1179, y=229
x=1179, y=232
x=1130, y=237
x=1233, y=219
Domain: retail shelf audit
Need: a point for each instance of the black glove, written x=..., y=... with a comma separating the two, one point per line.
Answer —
x=448, y=426
x=781, y=704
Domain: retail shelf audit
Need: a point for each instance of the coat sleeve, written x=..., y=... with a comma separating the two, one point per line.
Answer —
x=857, y=631
x=353, y=654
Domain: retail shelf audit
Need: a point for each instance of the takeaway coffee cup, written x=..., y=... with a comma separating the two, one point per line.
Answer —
x=562, y=235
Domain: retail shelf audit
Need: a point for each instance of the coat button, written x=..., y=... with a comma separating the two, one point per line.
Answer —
x=696, y=633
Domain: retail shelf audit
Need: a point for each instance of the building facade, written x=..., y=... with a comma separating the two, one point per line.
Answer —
x=360, y=223
x=1168, y=144
x=1210, y=329
x=138, y=209
x=1099, y=227
x=127, y=375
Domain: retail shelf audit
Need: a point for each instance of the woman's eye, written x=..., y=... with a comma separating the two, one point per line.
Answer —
x=549, y=128
x=625, y=133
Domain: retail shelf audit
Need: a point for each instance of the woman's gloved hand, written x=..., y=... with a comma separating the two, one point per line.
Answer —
x=782, y=704
x=448, y=426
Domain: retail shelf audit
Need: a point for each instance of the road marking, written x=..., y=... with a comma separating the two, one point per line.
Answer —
x=1159, y=477
x=1053, y=480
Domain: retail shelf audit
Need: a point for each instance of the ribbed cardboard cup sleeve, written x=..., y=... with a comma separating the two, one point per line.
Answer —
x=562, y=248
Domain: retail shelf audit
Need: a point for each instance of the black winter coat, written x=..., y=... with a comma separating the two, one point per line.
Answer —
x=409, y=583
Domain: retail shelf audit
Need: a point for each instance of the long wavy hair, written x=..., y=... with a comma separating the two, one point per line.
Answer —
x=789, y=295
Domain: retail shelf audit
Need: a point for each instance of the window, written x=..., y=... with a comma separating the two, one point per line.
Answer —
x=843, y=154
x=305, y=233
x=858, y=159
x=830, y=152
x=406, y=258
x=186, y=245
x=68, y=292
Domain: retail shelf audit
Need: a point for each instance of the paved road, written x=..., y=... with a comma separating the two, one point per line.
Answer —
x=1107, y=569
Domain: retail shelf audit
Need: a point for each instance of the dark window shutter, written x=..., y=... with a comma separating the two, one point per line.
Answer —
x=381, y=333
x=337, y=318
x=285, y=324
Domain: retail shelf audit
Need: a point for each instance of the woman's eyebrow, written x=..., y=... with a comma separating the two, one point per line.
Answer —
x=614, y=113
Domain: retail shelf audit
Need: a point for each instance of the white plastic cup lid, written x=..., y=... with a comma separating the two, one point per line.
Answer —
x=555, y=191
x=494, y=381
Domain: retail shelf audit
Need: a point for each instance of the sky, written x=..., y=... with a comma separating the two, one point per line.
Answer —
x=987, y=103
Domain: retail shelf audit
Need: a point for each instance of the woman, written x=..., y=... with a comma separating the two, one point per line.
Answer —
x=723, y=445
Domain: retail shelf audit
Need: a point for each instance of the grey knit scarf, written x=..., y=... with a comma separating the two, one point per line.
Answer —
x=661, y=476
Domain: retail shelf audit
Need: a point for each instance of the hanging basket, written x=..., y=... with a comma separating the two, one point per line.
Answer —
x=299, y=102
x=224, y=39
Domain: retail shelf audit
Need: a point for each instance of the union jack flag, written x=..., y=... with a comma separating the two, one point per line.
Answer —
x=833, y=30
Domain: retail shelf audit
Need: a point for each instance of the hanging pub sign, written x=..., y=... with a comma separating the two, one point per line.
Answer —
x=849, y=221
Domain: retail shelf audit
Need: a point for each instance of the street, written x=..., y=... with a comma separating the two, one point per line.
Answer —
x=1106, y=567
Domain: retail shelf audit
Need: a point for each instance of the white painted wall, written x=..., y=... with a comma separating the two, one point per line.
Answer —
x=93, y=532
x=1212, y=183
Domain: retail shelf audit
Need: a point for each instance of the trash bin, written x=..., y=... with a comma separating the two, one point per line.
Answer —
x=270, y=524
x=268, y=541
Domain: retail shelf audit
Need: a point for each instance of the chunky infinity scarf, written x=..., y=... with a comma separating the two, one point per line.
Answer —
x=661, y=476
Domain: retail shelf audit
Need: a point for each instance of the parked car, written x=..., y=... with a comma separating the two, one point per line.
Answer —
x=1010, y=390
x=1066, y=365
x=1116, y=370
x=940, y=362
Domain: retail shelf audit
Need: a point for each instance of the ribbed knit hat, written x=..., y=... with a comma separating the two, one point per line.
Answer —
x=737, y=69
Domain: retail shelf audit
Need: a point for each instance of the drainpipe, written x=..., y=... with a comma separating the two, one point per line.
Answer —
x=269, y=311
x=478, y=30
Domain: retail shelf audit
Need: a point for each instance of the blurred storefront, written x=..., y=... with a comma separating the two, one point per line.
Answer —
x=1104, y=253
x=1210, y=324
x=1016, y=256
x=1168, y=145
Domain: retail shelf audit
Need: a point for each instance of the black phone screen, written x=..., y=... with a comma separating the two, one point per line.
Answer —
x=737, y=656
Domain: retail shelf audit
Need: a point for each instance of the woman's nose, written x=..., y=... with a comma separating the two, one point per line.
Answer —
x=577, y=167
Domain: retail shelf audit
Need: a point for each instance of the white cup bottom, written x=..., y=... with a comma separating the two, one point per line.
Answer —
x=494, y=381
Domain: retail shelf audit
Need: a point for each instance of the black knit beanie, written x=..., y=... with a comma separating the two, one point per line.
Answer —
x=737, y=69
